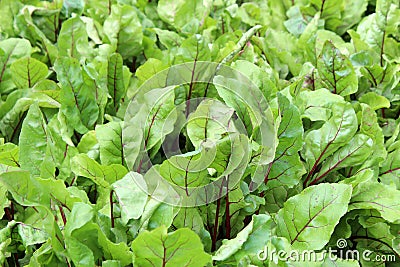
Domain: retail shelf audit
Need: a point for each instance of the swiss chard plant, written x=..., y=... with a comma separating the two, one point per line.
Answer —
x=199, y=133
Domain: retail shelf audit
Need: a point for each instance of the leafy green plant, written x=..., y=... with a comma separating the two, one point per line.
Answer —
x=199, y=133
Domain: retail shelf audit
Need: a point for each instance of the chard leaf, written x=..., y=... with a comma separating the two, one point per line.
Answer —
x=78, y=99
x=3, y=199
x=370, y=126
x=286, y=168
x=84, y=239
x=375, y=28
x=180, y=13
x=9, y=154
x=73, y=39
x=210, y=121
x=130, y=196
x=375, y=101
x=390, y=170
x=101, y=175
x=253, y=238
x=156, y=116
x=115, y=80
x=336, y=71
x=33, y=141
x=110, y=140
x=13, y=110
x=123, y=31
x=60, y=149
x=5, y=241
x=352, y=154
x=10, y=50
x=340, y=127
x=159, y=248
x=377, y=196
x=27, y=72
x=309, y=226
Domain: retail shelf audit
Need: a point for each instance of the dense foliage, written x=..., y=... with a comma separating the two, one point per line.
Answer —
x=312, y=146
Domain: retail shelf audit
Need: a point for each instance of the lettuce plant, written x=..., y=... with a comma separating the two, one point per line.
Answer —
x=199, y=133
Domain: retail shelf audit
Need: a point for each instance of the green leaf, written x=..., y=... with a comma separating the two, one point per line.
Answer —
x=155, y=116
x=60, y=149
x=110, y=141
x=159, y=248
x=351, y=14
x=72, y=6
x=390, y=170
x=33, y=141
x=309, y=226
x=377, y=196
x=131, y=197
x=27, y=72
x=9, y=154
x=370, y=126
x=352, y=154
x=8, y=10
x=73, y=39
x=375, y=101
x=339, y=128
x=157, y=214
x=182, y=14
x=78, y=100
x=376, y=28
x=10, y=50
x=89, y=145
x=248, y=242
x=169, y=39
x=210, y=121
x=115, y=80
x=336, y=71
x=101, y=175
x=149, y=69
x=31, y=236
x=5, y=241
x=86, y=242
x=3, y=199
x=123, y=31
x=30, y=191
x=13, y=109
x=286, y=168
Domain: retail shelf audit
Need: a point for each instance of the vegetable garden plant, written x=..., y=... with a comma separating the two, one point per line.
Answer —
x=199, y=133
